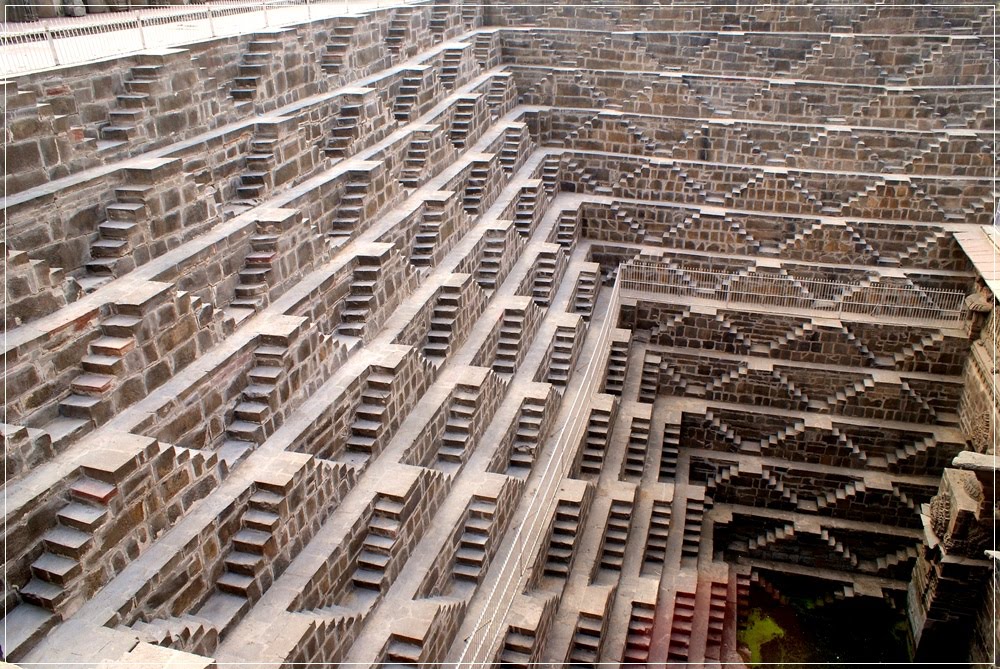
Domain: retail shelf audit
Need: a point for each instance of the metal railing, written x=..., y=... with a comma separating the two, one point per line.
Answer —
x=872, y=298
x=30, y=47
x=518, y=563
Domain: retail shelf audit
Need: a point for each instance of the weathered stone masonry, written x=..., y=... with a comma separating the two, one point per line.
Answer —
x=307, y=329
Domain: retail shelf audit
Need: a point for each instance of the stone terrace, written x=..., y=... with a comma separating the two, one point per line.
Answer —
x=331, y=343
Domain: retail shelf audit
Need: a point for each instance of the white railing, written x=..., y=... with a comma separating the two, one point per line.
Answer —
x=33, y=46
x=872, y=298
x=518, y=563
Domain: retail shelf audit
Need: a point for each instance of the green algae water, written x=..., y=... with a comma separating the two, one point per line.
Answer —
x=839, y=634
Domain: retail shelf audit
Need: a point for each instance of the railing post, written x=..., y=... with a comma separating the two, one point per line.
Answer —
x=263, y=4
x=308, y=10
x=142, y=33
x=52, y=45
x=211, y=23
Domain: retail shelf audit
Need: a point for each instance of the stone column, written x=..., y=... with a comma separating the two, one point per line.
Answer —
x=951, y=578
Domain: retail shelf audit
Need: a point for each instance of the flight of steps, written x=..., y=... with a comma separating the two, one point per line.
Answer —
x=439, y=19
x=638, y=637
x=337, y=50
x=616, y=534
x=186, y=633
x=681, y=626
x=475, y=187
x=406, y=99
x=377, y=548
x=102, y=367
x=255, y=278
x=345, y=130
x=457, y=429
x=670, y=452
x=519, y=647
x=252, y=546
x=549, y=269
x=470, y=559
x=717, y=602
x=694, y=514
x=252, y=417
x=586, y=643
x=527, y=208
x=635, y=451
x=398, y=28
x=566, y=231
x=490, y=264
x=649, y=380
x=561, y=360
x=111, y=253
x=614, y=379
x=256, y=65
x=496, y=98
x=58, y=567
x=656, y=539
x=142, y=83
x=450, y=67
x=257, y=180
x=595, y=441
x=416, y=158
x=461, y=124
x=562, y=541
x=512, y=330
x=585, y=293
x=427, y=237
x=511, y=149
x=526, y=436
x=360, y=300
x=370, y=414
x=443, y=318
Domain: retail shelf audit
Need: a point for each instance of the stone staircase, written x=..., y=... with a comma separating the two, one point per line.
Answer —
x=336, y=52
x=614, y=378
x=670, y=452
x=585, y=645
x=527, y=208
x=561, y=359
x=562, y=541
x=616, y=535
x=526, y=436
x=471, y=558
x=90, y=400
x=252, y=546
x=346, y=128
x=256, y=182
x=694, y=514
x=255, y=69
x=415, y=161
x=595, y=440
x=635, y=450
x=443, y=318
x=463, y=120
x=638, y=636
x=125, y=123
x=252, y=419
x=378, y=546
x=111, y=253
x=681, y=626
x=255, y=278
x=475, y=188
x=360, y=300
x=450, y=64
x=458, y=428
x=585, y=293
x=398, y=31
x=514, y=326
x=406, y=99
x=656, y=538
x=370, y=414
